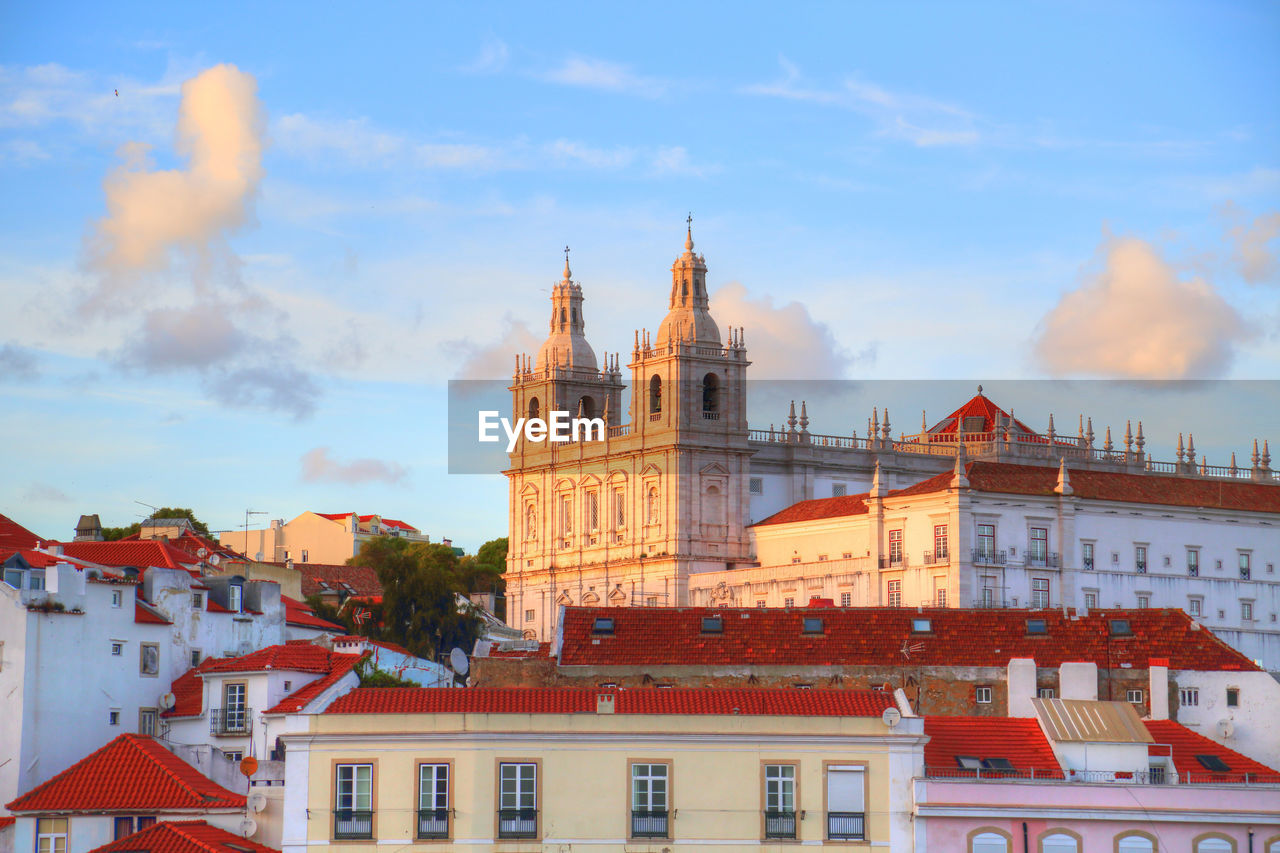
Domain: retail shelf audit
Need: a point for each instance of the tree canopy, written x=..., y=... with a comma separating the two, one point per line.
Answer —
x=113, y=533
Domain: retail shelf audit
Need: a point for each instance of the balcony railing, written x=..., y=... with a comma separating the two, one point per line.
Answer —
x=779, y=824
x=1043, y=559
x=1245, y=574
x=1193, y=571
x=517, y=823
x=649, y=824
x=891, y=561
x=985, y=557
x=231, y=721
x=433, y=823
x=846, y=826
x=1153, y=776
x=352, y=823
x=1140, y=567
x=1088, y=564
x=932, y=558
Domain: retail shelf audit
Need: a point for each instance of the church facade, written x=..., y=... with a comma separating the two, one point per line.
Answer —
x=682, y=503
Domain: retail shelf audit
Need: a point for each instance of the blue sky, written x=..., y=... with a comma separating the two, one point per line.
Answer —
x=977, y=192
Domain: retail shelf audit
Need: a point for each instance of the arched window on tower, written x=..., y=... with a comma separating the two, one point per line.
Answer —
x=684, y=289
x=562, y=315
x=573, y=313
x=655, y=395
x=588, y=407
x=710, y=396
x=534, y=407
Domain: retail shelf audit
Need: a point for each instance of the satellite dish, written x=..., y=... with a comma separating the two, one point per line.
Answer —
x=215, y=559
x=168, y=700
x=458, y=661
x=202, y=553
x=257, y=801
x=248, y=827
x=1226, y=728
x=248, y=765
x=891, y=717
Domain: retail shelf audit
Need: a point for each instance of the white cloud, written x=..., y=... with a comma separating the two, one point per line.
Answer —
x=22, y=152
x=1251, y=249
x=569, y=152
x=491, y=59
x=355, y=140
x=1138, y=318
x=319, y=467
x=494, y=360
x=783, y=341
x=39, y=95
x=589, y=73
x=674, y=160
x=17, y=364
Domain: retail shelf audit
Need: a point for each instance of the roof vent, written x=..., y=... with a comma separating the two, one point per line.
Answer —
x=811, y=625
x=1121, y=628
x=603, y=625
x=712, y=625
x=1037, y=626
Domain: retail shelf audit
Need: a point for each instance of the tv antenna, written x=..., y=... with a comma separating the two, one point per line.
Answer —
x=247, y=513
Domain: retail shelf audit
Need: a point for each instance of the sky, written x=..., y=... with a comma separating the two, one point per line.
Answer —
x=244, y=247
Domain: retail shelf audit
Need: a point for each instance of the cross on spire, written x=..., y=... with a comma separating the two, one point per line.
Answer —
x=688, y=242
x=566, y=263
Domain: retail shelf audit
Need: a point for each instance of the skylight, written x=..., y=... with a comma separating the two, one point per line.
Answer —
x=968, y=762
x=712, y=625
x=1037, y=626
x=1214, y=763
x=812, y=625
x=921, y=626
x=602, y=625
x=1120, y=628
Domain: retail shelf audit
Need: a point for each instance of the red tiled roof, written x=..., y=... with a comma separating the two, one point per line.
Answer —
x=1007, y=478
x=1188, y=744
x=138, y=553
x=542, y=651
x=1018, y=739
x=874, y=636
x=978, y=406
x=41, y=559
x=7, y=821
x=295, y=657
x=15, y=537
x=188, y=689
x=567, y=700
x=339, y=665
x=335, y=516
x=183, y=836
x=132, y=773
x=362, y=579
x=403, y=525
x=298, y=613
x=144, y=614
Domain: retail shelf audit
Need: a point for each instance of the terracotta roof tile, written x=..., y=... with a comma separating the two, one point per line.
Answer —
x=298, y=613
x=542, y=651
x=542, y=700
x=138, y=553
x=1020, y=740
x=183, y=836
x=132, y=772
x=146, y=615
x=338, y=666
x=874, y=636
x=295, y=657
x=1187, y=745
x=15, y=537
x=318, y=578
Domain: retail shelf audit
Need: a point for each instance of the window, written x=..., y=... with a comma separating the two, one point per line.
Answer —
x=433, y=800
x=757, y=485
x=1037, y=626
x=195, y=658
x=1120, y=628
x=1086, y=555
x=235, y=716
x=1189, y=697
x=989, y=842
x=1214, y=763
x=655, y=396
x=895, y=547
x=811, y=625
x=1246, y=611
x=1135, y=843
x=982, y=695
x=1059, y=842
x=940, y=542
x=149, y=659
x=846, y=814
x=895, y=593
x=839, y=490
x=1140, y=559
x=51, y=835
x=593, y=512
x=602, y=625
x=1091, y=601
x=1040, y=592
x=353, y=801
x=1134, y=697
x=939, y=595
x=1193, y=562
x=1195, y=606
x=649, y=800
x=986, y=542
x=235, y=595
x=233, y=756
x=304, y=555
x=518, y=800
x=619, y=509
x=1046, y=692
x=113, y=717
x=197, y=601
x=566, y=516
x=117, y=649
x=1038, y=548
x=146, y=721
x=779, y=801
x=1245, y=563
x=712, y=625
x=288, y=686
x=988, y=591
x=761, y=603
x=1233, y=697
x=1144, y=601
x=921, y=626
x=846, y=599
x=117, y=598
x=123, y=827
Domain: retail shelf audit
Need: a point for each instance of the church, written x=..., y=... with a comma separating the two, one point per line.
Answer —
x=682, y=503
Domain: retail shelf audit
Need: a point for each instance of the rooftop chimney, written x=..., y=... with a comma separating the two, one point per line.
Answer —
x=1158, y=670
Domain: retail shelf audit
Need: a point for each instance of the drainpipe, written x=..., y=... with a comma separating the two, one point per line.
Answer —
x=1026, y=845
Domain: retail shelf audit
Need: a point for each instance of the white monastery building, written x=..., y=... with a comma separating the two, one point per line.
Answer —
x=682, y=503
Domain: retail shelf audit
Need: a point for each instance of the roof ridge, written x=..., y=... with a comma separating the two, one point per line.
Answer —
x=137, y=742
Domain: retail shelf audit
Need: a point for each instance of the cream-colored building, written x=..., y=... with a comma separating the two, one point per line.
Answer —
x=315, y=537
x=607, y=770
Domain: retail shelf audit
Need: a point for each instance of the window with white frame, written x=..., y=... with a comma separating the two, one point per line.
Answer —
x=895, y=547
x=1140, y=559
x=51, y=835
x=989, y=842
x=147, y=721
x=982, y=695
x=846, y=802
x=1193, y=562
x=788, y=602
x=1047, y=692
x=1144, y=601
x=846, y=599
x=1086, y=556
x=117, y=598
x=1134, y=696
x=1246, y=611
x=649, y=803
x=1246, y=564
x=940, y=591
x=1195, y=606
x=1189, y=697
x=353, y=801
x=117, y=648
x=1059, y=842
x=1038, y=547
x=433, y=800
x=149, y=659
x=988, y=590
x=779, y=801
x=1091, y=601
x=986, y=542
x=895, y=593
x=517, y=800
x=1039, y=592
x=940, y=542
x=235, y=716
x=235, y=595
x=113, y=717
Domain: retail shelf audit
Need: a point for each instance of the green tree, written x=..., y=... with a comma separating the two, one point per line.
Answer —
x=420, y=585
x=113, y=533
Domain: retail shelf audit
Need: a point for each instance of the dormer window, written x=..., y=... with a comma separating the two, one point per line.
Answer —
x=603, y=625
x=712, y=625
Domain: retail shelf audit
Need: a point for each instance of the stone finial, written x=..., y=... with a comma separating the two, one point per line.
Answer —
x=1107, y=445
x=1234, y=469
x=877, y=484
x=924, y=421
x=1204, y=466
x=885, y=428
x=1266, y=456
x=567, y=274
x=1052, y=431
x=804, y=416
x=1128, y=436
x=1142, y=441
x=979, y=390
x=791, y=418
x=1064, y=480
x=1080, y=431
x=1181, y=452
x=1088, y=435
x=959, y=479
x=1191, y=448
x=1257, y=457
